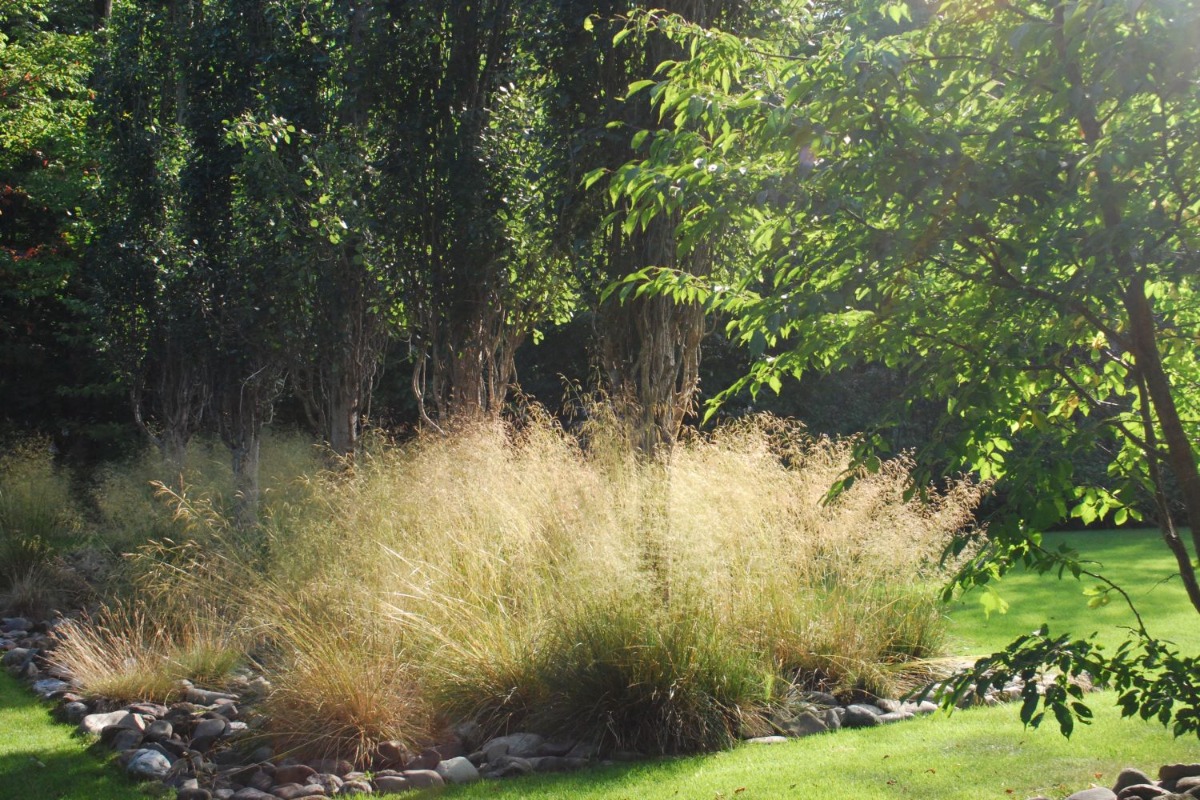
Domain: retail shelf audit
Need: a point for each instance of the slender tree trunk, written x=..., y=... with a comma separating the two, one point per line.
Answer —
x=1143, y=342
x=245, y=455
x=101, y=13
x=245, y=402
x=1180, y=455
x=344, y=405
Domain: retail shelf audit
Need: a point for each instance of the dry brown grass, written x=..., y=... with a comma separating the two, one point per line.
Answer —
x=125, y=653
x=463, y=575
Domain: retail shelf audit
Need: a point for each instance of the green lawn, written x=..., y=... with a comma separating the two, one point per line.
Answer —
x=1136, y=560
x=41, y=760
x=982, y=753
x=977, y=753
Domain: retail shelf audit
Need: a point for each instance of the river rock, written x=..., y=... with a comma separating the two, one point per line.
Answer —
x=327, y=780
x=521, y=745
x=1144, y=791
x=428, y=759
x=74, y=712
x=803, y=724
x=356, y=787
x=48, y=687
x=293, y=791
x=332, y=766
x=423, y=778
x=155, y=710
x=392, y=755
x=16, y=657
x=1096, y=793
x=294, y=773
x=159, y=730
x=819, y=699
x=506, y=766
x=925, y=707
x=250, y=793
x=148, y=765
x=1130, y=777
x=119, y=738
x=94, y=724
x=860, y=716
x=1170, y=773
x=389, y=783
x=204, y=697
x=767, y=740
x=457, y=770
x=213, y=728
x=193, y=793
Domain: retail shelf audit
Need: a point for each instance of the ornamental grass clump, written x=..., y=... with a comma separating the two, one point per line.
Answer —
x=340, y=690
x=629, y=676
x=126, y=653
x=521, y=578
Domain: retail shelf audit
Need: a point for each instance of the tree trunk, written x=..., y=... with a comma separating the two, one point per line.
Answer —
x=650, y=346
x=1143, y=343
x=245, y=403
x=101, y=13
x=245, y=455
x=1180, y=456
x=344, y=404
x=467, y=367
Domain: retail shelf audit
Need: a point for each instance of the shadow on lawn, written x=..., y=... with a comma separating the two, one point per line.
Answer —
x=41, y=759
x=61, y=775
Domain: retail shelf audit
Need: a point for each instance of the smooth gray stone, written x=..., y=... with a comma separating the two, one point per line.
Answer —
x=149, y=764
x=457, y=770
x=1098, y=793
x=860, y=716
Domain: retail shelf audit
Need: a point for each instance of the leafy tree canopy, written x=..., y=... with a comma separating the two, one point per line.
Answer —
x=999, y=199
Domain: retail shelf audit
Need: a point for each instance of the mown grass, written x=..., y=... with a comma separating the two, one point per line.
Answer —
x=42, y=760
x=974, y=754
x=1136, y=560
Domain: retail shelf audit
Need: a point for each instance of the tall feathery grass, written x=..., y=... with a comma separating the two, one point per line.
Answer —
x=520, y=579
x=39, y=519
x=126, y=653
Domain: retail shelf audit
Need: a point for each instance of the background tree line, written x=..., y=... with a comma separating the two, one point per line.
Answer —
x=219, y=211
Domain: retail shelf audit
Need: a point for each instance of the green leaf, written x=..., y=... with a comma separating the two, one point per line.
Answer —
x=992, y=602
x=637, y=86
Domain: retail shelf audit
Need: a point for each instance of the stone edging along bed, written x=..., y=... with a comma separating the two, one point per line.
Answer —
x=202, y=747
